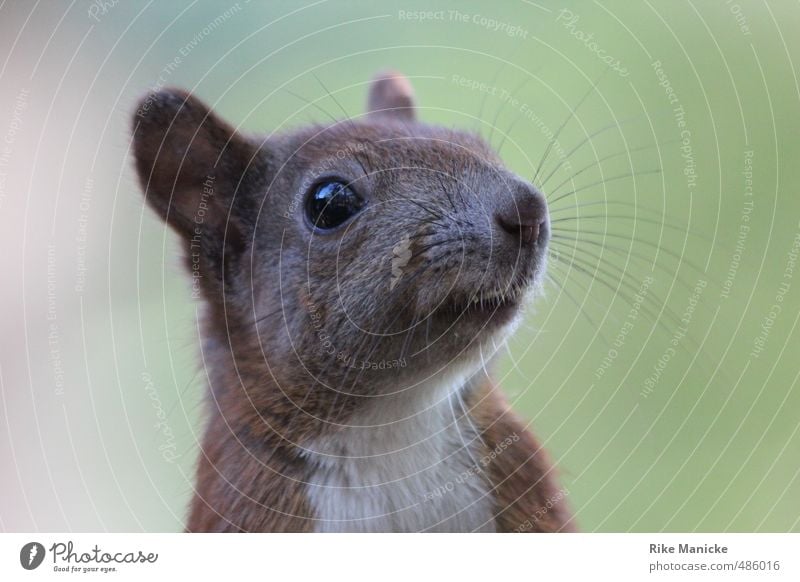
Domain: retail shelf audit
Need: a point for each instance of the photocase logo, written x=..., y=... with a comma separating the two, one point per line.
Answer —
x=401, y=254
x=31, y=555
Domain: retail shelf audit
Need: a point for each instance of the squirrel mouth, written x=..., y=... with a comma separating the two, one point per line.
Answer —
x=494, y=307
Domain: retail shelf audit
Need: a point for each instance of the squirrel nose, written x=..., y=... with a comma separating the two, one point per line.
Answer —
x=524, y=216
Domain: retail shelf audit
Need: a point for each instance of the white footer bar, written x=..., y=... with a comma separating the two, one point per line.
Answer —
x=351, y=557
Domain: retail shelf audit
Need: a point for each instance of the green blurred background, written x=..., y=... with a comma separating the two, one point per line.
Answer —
x=655, y=423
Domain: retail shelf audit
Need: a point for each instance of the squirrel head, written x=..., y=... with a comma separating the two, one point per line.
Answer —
x=353, y=257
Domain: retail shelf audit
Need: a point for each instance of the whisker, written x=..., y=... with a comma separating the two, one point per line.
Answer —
x=267, y=316
x=512, y=95
x=486, y=94
x=583, y=268
x=687, y=343
x=608, y=157
x=612, y=217
x=604, y=181
x=426, y=208
x=502, y=107
x=313, y=104
x=623, y=280
x=625, y=253
x=600, y=131
x=558, y=226
x=446, y=191
x=335, y=121
x=438, y=243
x=581, y=309
x=332, y=96
x=622, y=251
x=564, y=124
x=605, y=203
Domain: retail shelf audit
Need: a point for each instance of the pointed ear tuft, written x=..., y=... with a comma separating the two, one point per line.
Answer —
x=391, y=95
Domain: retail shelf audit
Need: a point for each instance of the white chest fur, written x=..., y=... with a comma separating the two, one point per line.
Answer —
x=409, y=462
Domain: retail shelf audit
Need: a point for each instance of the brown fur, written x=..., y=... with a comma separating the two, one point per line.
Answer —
x=274, y=288
x=522, y=477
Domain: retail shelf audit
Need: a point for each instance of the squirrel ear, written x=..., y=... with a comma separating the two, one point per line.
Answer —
x=189, y=161
x=391, y=95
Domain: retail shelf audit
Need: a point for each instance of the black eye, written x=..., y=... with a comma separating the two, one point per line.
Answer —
x=331, y=204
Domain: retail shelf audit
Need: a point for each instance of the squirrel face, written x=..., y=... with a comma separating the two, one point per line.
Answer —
x=357, y=255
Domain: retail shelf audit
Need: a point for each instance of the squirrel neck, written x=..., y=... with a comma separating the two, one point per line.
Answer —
x=405, y=462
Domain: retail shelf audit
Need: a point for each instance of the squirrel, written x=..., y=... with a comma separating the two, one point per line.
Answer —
x=358, y=278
